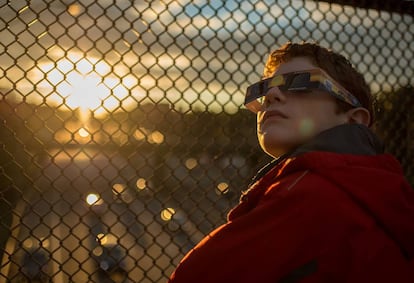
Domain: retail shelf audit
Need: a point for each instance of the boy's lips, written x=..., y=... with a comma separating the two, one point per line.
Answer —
x=273, y=113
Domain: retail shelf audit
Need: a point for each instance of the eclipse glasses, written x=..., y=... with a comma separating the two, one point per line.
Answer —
x=302, y=81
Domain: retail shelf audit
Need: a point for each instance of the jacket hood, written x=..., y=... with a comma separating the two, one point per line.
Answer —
x=374, y=181
x=376, y=184
x=348, y=138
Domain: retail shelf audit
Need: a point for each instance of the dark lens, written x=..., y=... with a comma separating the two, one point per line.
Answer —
x=298, y=81
x=256, y=91
x=264, y=86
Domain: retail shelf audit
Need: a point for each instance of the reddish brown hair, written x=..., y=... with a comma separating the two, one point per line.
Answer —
x=336, y=65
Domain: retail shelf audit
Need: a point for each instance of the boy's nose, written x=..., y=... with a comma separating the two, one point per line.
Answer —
x=274, y=95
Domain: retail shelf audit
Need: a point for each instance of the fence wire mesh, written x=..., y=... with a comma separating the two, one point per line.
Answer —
x=123, y=139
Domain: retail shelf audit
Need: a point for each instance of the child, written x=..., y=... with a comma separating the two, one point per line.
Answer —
x=331, y=207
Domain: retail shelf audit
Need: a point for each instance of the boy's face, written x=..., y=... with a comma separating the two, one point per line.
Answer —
x=288, y=120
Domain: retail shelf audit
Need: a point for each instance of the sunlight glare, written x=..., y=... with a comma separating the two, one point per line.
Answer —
x=85, y=83
x=93, y=199
x=85, y=92
x=167, y=214
x=83, y=132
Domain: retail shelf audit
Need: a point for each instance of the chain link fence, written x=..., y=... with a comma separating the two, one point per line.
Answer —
x=123, y=139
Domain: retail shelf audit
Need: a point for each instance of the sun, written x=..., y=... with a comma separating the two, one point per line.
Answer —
x=83, y=83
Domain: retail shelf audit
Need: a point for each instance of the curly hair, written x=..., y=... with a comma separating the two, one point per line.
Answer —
x=336, y=65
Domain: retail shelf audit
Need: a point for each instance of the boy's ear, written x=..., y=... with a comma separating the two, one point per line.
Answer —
x=359, y=115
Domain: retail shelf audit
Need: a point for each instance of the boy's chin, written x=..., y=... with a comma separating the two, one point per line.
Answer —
x=275, y=151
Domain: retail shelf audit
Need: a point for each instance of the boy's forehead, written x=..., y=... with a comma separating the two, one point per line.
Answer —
x=294, y=65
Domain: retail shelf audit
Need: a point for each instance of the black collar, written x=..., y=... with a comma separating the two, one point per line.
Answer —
x=346, y=139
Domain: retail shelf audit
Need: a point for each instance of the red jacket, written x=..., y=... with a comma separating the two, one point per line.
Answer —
x=317, y=217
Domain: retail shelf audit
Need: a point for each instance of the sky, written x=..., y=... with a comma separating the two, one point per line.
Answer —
x=194, y=55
